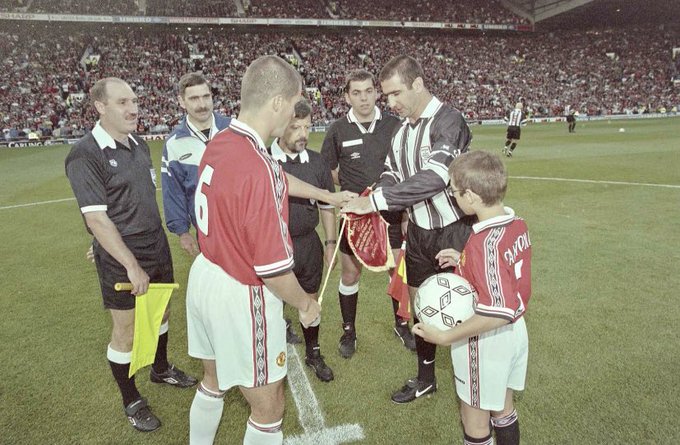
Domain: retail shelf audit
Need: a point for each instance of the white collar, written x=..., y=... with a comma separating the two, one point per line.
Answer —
x=353, y=118
x=281, y=156
x=244, y=128
x=199, y=133
x=104, y=139
x=431, y=108
x=500, y=220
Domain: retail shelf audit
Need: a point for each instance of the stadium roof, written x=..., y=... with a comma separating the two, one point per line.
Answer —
x=558, y=13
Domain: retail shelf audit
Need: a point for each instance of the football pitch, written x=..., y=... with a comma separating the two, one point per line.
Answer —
x=602, y=208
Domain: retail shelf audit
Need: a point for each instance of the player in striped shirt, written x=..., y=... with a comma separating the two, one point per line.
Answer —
x=431, y=135
x=489, y=350
x=515, y=119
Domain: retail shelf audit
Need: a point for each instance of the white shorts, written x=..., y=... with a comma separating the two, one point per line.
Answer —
x=239, y=326
x=485, y=367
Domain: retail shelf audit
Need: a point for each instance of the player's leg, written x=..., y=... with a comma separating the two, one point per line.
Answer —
x=505, y=423
x=206, y=409
x=476, y=425
x=348, y=293
x=401, y=326
x=266, y=414
x=156, y=259
x=119, y=355
x=308, y=271
x=420, y=264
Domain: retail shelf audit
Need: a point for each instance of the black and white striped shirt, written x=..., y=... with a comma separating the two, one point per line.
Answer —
x=416, y=169
x=515, y=118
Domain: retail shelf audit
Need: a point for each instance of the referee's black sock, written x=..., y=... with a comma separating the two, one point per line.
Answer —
x=512, y=147
x=311, y=335
x=426, y=353
x=468, y=440
x=507, y=143
x=160, y=363
x=349, y=295
x=120, y=367
x=507, y=429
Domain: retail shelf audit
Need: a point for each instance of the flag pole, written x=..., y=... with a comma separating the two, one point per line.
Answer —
x=335, y=254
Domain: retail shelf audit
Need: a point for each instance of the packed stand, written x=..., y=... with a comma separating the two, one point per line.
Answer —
x=43, y=72
x=206, y=8
x=459, y=11
x=13, y=5
x=99, y=7
x=307, y=9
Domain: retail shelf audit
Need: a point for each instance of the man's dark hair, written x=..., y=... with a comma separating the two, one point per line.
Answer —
x=406, y=67
x=303, y=109
x=358, y=76
x=190, y=80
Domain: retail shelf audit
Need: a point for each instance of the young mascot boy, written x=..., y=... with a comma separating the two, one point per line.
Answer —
x=489, y=350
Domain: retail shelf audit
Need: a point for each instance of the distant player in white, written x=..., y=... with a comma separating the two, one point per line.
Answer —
x=515, y=119
x=489, y=350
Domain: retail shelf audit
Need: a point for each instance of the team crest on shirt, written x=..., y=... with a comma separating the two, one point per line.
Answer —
x=281, y=359
x=113, y=163
x=153, y=176
x=425, y=154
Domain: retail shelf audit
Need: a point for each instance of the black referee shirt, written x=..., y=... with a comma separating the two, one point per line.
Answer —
x=311, y=168
x=360, y=152
x=107, y=176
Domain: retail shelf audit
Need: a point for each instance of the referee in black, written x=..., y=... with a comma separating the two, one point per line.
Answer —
x=356, y=147
x=290, y=150
x=114, y=183
x=416, y=177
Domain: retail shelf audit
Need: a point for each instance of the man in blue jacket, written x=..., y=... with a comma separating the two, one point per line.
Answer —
x=182, y=153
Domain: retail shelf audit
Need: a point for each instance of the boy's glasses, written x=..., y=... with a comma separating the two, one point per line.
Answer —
x=452, y=192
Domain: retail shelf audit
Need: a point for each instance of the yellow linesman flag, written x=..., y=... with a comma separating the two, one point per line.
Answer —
x=149, y=310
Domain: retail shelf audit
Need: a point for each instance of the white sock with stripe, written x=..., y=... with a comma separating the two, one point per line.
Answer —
x=263, y=434
x=205, y=415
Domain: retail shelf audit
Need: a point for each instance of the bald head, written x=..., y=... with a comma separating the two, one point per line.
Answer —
x=99, y=92
x=266, y=78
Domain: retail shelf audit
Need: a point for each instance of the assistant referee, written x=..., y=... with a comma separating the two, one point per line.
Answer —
x=114, y=182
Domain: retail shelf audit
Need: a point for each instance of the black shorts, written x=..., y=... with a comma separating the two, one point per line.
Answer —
x=308, y=255
x=153, y=255
x=513, y=133
x=423, y=245
x=393, y=232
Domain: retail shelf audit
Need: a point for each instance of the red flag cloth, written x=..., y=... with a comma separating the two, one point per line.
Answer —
x=367, y=237
x=398, y=289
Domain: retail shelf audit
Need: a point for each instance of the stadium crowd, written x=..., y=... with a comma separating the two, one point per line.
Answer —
x=461, y=11
x=598, y=72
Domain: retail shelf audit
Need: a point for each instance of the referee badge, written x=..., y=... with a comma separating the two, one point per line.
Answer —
x=113, y=163
x=281, y=359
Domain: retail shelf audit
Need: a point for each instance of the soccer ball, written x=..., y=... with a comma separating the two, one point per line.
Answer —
x=622, y=130
x=444, y=300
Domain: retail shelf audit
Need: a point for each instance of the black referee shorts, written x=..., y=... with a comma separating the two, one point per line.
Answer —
x=393, y=232
x=308, y=255
x=423, y=245
x=513, y=132
x=153, y=255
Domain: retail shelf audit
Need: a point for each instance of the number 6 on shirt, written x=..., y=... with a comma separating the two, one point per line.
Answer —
x=201, y=201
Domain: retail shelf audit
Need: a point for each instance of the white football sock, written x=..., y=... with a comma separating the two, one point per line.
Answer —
x=263, y=434
x=205, y=416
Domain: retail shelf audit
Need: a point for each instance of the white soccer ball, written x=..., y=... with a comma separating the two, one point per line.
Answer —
x=444, y=300
x=622, y=130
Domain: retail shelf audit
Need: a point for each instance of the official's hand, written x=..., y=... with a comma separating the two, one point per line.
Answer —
x=339, y=199
x=360, y=206
x=328, y=256
x=307, y=317
x=448, y=258
x=429, y=333
x=189, y=244
x=139, y=280
x=90, y=253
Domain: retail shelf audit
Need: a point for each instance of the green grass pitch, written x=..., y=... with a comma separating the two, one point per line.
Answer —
x=603, y=324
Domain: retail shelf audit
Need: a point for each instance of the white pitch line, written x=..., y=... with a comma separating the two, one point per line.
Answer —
x=309, y=412
x=31, y=204
x=592, y=181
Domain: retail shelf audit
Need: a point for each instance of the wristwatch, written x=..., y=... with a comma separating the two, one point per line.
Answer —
x=330, y=241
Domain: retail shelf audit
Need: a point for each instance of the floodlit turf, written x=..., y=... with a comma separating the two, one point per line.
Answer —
x=603, y=320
